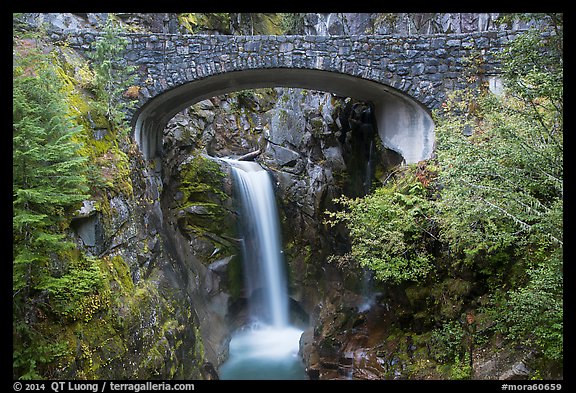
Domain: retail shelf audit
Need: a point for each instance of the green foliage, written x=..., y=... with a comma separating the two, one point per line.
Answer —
x=501, y=204
x=459, y=369
x=195, y=22
x=534, y=313
x=446, y=342
x=503, y=184
x=76, y=295
x=532, y=71
x=69, y=310
x=493, y=204
x=110, y=79
x=48, y=176
x=32, y=351
x=292, y=23
x=390, y=230
x=448, y=347
x=51, y=280
x=113, y=77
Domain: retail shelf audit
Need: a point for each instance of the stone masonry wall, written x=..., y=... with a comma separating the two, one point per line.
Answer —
x=425, y=67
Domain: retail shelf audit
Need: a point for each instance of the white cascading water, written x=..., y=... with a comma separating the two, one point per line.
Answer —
x=268, y=348
x=263, y=254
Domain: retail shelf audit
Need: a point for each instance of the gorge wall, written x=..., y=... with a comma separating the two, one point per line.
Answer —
x=311, y=160
x=168, y=238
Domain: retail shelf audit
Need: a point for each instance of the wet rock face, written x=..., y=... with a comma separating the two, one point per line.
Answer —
x=295, y=134
x=354, y=337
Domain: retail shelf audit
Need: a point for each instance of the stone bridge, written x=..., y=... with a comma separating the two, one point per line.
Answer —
x=405, y=78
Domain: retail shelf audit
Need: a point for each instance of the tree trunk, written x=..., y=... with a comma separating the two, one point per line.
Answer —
x=249, y=156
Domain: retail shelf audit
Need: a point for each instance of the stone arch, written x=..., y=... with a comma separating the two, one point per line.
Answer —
x=404, y=125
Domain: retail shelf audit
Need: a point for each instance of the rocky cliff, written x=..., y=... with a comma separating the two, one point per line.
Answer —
x=166, y=236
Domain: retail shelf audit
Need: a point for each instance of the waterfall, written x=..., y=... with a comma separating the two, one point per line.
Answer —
x=267, y=348
x=263, y=258
x=369, y=169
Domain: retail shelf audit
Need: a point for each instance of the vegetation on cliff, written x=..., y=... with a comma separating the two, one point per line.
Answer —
x=77, y=315
x=243, y=23
x=390, y=230
x=49, y=183
x=488, y=206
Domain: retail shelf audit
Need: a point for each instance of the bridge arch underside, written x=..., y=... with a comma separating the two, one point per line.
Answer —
x=404, y=125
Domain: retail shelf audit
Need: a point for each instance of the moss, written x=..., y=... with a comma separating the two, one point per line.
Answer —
x=283, y=114
x=110, y=164
x=138, y=327
x=309, y=261
x=119, y=280
x=387, y=20
x=199, y=352
x=81, y=334
x=317, y=124
x=457, y=370
x=100, y=344
x=450, y=296
x=201, y=210
x=99, y=339
x=195, y=22
x=201, y=180
x=235, y=275
x=92, y=321
x=266, y=98
x=88, y=347
x=76, y=291
x=417, y=294
x=271, y=24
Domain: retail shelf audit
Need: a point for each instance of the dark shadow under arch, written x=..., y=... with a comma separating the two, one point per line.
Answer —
x=404, y=125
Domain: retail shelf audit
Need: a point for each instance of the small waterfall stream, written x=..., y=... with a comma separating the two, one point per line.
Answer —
x=268, y=347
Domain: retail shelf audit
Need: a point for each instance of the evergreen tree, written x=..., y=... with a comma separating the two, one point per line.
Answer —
x=48, y=174
x=113, y=76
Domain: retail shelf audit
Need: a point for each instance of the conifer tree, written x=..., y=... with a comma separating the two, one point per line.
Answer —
x=48, y=174
x=112, y=76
